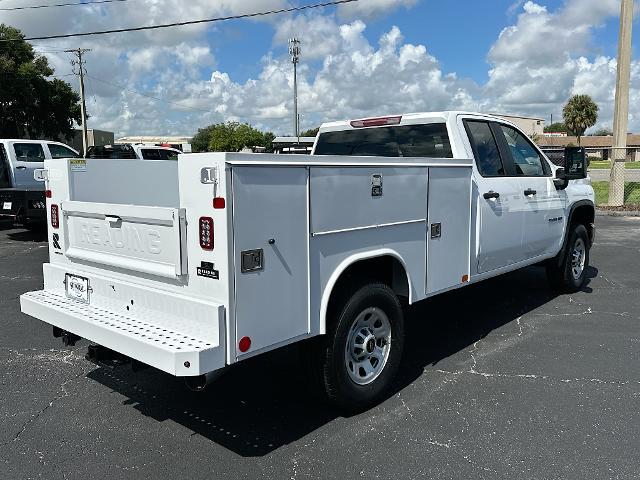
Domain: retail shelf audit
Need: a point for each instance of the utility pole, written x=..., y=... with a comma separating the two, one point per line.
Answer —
x=79, y=63
x=294, y=51
x=621, y=113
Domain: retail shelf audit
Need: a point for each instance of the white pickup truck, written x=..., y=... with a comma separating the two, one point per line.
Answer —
x=21, y=197
x=195, y=265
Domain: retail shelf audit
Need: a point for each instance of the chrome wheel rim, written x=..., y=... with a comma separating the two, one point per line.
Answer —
x=368, y=346
x=578, y=258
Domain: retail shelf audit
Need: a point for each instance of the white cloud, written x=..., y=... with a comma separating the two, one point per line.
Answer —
x=535, y=65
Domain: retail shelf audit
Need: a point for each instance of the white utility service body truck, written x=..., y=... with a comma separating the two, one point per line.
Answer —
x=192, y=266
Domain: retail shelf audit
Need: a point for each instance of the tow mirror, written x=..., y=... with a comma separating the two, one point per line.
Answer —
x=561, y=181
x=575, y=163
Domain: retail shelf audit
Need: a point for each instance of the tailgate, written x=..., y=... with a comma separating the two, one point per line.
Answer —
x=139, y=238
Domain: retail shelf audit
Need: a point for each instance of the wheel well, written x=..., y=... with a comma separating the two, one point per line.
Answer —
x=386, y=269
x=584, y=215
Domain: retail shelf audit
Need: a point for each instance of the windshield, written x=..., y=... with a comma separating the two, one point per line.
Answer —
x=111, y=151
x=429, y=140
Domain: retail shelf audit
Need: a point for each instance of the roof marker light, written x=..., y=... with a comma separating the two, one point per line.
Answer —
x=376, y=122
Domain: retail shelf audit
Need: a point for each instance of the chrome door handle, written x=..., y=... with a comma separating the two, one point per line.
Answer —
x=529, y=192
x=491, y=194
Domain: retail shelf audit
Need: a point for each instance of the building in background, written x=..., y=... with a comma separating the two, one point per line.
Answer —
x=596, y=146
x=181, y=143
x=298, y=145
x=95, y=138
x=532, y=126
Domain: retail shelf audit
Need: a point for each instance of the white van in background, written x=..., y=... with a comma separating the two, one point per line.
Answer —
x=22, y=199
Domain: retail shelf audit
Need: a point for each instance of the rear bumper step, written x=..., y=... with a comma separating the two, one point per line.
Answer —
x=169, y=350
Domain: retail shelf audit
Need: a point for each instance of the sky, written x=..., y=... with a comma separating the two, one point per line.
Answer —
x=366, y=58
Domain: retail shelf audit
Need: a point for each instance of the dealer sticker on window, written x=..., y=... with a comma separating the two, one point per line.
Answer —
x=77, y=288
x=6, y=206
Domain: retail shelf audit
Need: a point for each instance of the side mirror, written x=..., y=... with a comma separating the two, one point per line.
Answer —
x=561, y=181
x=575, y=163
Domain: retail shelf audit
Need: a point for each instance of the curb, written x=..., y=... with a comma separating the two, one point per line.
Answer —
x=617, y=213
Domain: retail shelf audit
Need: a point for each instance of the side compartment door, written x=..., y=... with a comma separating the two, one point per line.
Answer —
x=543, y=205
x=501, y=220
x=271, y=238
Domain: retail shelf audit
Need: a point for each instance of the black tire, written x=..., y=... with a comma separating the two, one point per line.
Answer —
x=337, y=383
x=560, y=270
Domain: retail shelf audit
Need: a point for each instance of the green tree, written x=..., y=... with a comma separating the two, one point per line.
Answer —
x=31, y=104
x=603, y=132
x=580, y=113
x=312, y=132
x=556, y=127
x=230, y=137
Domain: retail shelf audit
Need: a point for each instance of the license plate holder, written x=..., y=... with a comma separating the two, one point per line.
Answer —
x=77, y=288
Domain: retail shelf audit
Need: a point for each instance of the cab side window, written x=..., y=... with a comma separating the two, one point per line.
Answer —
x=527, y=161
x=29, y=152
x=485, y=148
x=59, y=151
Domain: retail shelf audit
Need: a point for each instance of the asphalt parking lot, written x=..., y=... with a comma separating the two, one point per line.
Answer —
x=500, y=380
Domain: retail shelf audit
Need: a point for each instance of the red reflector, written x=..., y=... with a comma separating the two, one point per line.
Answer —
x=376, y=122
x=48, y=193
x=245, y=344
x=55, y=217
x=219, y=203
x=206, y=233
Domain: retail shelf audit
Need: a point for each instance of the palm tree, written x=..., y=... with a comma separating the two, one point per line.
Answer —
x=580, y=113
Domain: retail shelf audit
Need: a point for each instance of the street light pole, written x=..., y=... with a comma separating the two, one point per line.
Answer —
x=621, y=113
x=294, y=51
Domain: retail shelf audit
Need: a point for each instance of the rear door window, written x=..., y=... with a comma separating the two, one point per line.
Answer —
x=5, y=175
x=427, y=140
x=60, y=151
x=29, y=152
x=485, y=148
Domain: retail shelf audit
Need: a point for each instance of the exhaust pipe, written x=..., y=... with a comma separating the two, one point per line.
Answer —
x=201, y=382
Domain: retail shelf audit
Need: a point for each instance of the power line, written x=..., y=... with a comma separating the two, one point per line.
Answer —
x=27, y=7
x=190, y=22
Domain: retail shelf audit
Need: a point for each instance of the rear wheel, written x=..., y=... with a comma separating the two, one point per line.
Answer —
x=569, y=272
x=361, y=352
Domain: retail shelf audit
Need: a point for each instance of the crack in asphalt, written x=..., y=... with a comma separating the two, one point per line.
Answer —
x=66, y=359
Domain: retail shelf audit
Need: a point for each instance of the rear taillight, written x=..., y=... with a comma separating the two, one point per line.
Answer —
x=376, y=122
x=206, y=233
x=55, y=217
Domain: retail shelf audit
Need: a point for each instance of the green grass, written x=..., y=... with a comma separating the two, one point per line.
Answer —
x=631, y=192
x=606, y=165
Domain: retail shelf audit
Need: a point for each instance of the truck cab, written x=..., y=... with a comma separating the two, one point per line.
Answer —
x=520, y=208
x=21, y=196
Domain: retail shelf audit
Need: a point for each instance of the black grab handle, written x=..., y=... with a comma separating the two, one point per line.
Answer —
x=491, y=194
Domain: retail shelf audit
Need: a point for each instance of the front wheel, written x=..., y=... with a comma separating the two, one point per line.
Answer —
x=361, y=353
x=569, y=272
